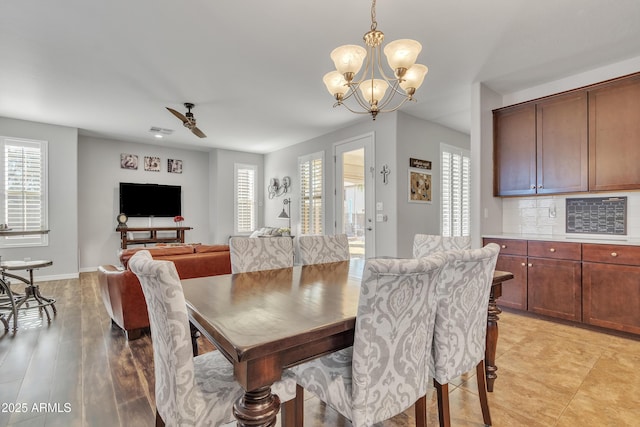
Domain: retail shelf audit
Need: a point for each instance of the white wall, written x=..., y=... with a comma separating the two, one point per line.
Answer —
x=98, y=194
x=222, y=204
x=63, y=198
x=285, y=163
x=420, y=139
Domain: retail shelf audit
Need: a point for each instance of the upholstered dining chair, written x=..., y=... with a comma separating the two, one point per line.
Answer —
x=190, y=391
x=426, y=244
x=260, y=253
x=323, y=249
x=386, y=369
x=461, y=323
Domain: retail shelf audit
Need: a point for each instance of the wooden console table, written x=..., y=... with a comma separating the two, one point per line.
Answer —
x=153, y=235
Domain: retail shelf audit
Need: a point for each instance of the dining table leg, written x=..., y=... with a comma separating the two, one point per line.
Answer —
x=257, y=408
x=492, y=339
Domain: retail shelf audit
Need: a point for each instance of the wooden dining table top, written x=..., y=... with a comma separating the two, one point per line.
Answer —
x=268, y=320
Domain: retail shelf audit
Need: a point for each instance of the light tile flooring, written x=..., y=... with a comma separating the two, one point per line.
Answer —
x=550, y=374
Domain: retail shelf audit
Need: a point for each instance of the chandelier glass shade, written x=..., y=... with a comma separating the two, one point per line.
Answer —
x=373, y=91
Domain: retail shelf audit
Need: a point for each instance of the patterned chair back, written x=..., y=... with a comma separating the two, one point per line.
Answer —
x=323, y=249
x=393, y=336
x=426, y=244
x=260, y=253
x=461, y=318
x=177, y=399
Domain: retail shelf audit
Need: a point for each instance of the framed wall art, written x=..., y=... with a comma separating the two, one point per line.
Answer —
x=152, y=164
x=420, y=188
x=128, y=161
x=174, y=166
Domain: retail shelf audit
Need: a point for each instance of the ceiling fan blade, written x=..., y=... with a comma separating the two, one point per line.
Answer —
x=178, y=115
x=198, y=132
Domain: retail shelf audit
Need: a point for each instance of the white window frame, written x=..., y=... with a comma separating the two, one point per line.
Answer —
x=42, y=224
x=455, y=199
x=303, y=197
x=254, y=203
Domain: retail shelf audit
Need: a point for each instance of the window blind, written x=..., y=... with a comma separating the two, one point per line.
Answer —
x=245, y=185
x=24, y=189
x=311, y=198
x=456, y=173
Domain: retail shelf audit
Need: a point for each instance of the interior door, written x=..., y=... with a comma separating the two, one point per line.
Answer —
x=355, y=192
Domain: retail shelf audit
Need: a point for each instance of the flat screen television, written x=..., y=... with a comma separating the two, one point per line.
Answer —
x=146, y=200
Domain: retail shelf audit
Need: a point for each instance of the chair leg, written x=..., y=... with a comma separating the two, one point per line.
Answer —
x=299, y=408
x=443, y=403
x=288, y=413
x=482, y=392
x=421, y=412
x=194, y=338
x=159, y=421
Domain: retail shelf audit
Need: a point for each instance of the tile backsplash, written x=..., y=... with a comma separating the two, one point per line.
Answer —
x=546, y=215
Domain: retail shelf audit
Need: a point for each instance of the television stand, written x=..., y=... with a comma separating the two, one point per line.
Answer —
x=153, y=235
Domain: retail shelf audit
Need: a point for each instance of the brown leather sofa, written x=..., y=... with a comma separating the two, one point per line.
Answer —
x=121, y=291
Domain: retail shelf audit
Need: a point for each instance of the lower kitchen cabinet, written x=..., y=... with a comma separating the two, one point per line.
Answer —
x=555, y=288
x=611, y=286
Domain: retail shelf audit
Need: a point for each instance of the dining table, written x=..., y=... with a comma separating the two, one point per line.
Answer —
x=266, y=321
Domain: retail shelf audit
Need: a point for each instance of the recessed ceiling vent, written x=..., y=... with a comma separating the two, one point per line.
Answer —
x=161, y=131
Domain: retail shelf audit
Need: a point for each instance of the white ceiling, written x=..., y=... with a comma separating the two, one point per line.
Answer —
x=254, y=68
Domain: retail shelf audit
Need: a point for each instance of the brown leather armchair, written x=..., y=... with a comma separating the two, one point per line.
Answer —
x=121, y=291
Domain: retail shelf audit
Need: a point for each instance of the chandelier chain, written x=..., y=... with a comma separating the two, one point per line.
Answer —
x=374, y=23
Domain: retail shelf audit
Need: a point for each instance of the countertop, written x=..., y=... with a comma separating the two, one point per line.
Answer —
x=577, y=238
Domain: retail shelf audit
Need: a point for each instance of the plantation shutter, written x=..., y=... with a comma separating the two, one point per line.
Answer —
x=311, y=198
x=24, y=185
x=245, y=198
x=456, y=173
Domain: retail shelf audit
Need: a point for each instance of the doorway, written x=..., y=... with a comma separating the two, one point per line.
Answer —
x=355, y=192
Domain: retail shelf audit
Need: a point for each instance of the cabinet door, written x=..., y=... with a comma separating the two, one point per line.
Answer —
x=514, y=150
x=561, y=143
x=554, y=288
x=612, y=296
x=514, y=291
x=614, y=132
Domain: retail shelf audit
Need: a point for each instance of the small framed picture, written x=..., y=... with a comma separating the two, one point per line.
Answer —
x=420, y=188
x=128, y=161
x=174, y=166
x=152, y=164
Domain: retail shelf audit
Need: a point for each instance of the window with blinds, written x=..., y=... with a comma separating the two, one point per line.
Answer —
x=456, y=173
x=245, y=198
x=311, y=198
x=24, y=190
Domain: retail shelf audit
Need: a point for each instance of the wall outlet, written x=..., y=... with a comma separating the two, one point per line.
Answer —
x=552, y=212
x=379, y=206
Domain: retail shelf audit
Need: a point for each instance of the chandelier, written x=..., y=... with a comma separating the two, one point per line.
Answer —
x=370, y=92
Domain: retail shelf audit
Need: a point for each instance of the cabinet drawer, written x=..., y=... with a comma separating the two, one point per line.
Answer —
x=554, y=250
x=509, y=246
x=611, y=254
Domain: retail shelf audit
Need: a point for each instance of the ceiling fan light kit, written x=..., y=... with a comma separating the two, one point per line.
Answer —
x=188, y=120
x=369, y=91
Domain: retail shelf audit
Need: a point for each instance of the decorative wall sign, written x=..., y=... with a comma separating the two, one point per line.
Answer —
x=597, y=215
x=174, y=166
x=420, y=164
x=419, y=186
x=128, y=161
x=152, y=164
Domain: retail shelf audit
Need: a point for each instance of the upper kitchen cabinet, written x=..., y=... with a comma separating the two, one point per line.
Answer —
x=614, y=135
x=514, y=151
x=540, y=147
x=561, y=141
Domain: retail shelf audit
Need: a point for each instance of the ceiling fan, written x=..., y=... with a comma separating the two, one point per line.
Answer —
x=188, y=120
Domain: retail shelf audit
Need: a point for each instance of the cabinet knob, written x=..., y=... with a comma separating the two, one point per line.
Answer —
x=523, y=264
x=529, y=265
x=614, y=254
x=540, y=186
x=533, y=186
x=504, y=246
x=552, y=250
